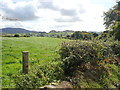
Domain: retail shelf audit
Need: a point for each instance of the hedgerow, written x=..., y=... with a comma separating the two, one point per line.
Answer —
x=75, y=53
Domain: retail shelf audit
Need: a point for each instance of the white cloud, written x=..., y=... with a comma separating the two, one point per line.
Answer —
x=46, y=5
x=66, y=12
x=20, y=10
x=68, y=19
x=55, y=14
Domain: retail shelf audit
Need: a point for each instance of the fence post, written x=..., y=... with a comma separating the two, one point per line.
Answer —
x=25, y=61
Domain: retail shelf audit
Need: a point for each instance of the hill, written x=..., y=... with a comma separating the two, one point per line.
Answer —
x=15, y=30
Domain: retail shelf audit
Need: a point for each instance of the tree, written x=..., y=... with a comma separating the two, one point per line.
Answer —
x=16, y=35
x=112, y=20
x=77, y=35
x=112, y=16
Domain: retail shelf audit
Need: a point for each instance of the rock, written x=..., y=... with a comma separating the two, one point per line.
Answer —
x=63, y=85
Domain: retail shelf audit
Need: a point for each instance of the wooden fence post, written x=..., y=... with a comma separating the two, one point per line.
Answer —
x=25, y=61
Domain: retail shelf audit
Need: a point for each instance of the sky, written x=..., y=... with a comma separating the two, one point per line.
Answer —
x=59, y=15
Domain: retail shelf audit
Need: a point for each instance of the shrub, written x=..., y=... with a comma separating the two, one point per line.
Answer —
x=75, y=53
x=40, y=75
x=27, y=81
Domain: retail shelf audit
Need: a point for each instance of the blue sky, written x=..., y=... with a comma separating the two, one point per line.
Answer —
x=46, y=15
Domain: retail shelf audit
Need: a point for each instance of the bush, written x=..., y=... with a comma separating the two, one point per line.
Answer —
x=40, y=76
x=27, y=81
x=75, y=53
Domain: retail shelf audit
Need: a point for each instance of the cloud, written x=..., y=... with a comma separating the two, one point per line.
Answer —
x=63, y=25
x=20, y=11
x=31, y=10
x=47, y=5
x=82, y=9
x=68, y=19
x=64, y=7
x=65, y=12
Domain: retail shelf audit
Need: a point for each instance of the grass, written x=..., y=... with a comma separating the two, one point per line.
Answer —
x=41, y=50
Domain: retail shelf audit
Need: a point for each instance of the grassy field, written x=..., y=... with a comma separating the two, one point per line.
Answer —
x=41, y=50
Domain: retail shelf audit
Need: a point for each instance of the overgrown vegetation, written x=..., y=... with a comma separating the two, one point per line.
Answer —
x=76, y=53
x=86, y=64
x=40, y=75
x=87, y=60
x=91, y=61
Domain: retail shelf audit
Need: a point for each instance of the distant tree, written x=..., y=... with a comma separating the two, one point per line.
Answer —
x=42, y=35
x=77, y=35
x=82, y=35
x=95, y=34
x=27, y=35
x=52, y=31
x=16, y=35
x=61, y=35
x=58, y=36
x=68, y=36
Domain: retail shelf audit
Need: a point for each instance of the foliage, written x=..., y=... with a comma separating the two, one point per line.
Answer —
x=25, y=81
x=39, y=76
x=89, y=64
x=112, y=16
x=115, y=46
x=77, y=35
x=16, y=35
x=82, y=35
x=112, y=20
x=106, y=36
x=116, y=30
x=103, y=74
x=27, y=35
x=74, y=53
x=55, y=34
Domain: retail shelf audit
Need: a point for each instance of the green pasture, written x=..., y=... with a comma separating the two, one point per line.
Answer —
x=41, y=51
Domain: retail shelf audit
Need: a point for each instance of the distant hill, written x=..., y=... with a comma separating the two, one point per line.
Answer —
x=15, y=30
